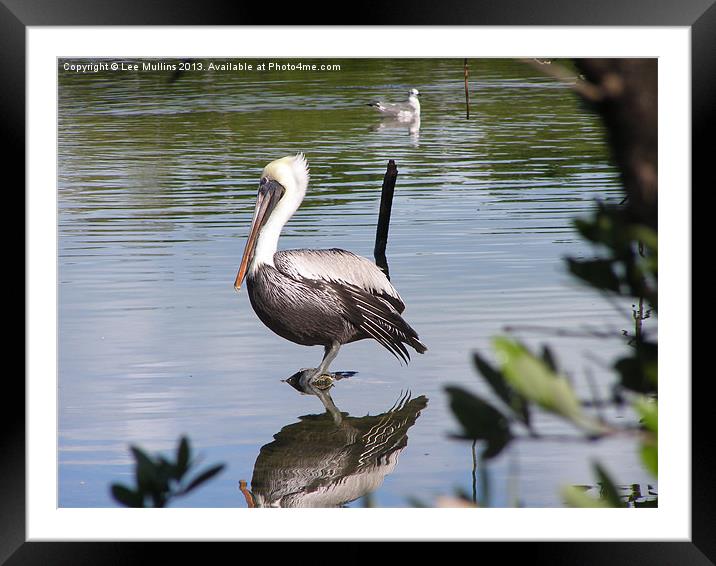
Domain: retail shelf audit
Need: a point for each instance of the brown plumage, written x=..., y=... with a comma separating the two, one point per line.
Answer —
x=316, y=297
x=319, y=311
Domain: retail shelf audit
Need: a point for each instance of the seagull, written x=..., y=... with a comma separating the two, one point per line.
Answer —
x=326, y=297
x=409, y=110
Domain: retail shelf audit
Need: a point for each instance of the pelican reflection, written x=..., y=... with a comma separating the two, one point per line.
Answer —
x=331, y=459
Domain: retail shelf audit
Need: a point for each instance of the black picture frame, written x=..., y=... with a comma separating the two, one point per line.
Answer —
x=17, y=15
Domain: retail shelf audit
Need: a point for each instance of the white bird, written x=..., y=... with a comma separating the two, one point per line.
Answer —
x=316, y=297
x=408, y=110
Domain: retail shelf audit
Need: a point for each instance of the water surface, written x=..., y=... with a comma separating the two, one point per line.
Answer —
x=157, y=180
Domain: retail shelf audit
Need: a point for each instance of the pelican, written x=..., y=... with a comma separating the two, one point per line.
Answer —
x=319, y=463
x=409, y=110
x=316, y=297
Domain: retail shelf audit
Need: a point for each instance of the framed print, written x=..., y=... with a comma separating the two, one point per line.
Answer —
x=492, y=369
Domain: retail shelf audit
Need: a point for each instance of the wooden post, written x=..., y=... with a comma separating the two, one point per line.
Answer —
x=467, y=93
x=386, y=204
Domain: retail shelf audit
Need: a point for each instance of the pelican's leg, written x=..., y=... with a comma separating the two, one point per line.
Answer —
x=328, y=403
x=330, y=353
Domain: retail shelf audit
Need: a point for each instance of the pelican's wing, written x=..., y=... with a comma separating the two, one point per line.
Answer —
x=339, y=266
x=367, y=298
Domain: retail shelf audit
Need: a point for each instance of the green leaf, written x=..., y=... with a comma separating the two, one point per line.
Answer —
x=480, y=421
x=503, y=390
x=204, y=476
x=646, y=235
x=575, y=496
x=609, y=490
x=536, y=381
x=648, y=410
x=649, y=453
x=126, y=496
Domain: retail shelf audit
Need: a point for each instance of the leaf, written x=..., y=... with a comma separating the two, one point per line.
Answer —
x=158, y=479
x=649, y=453
x=494, y=378
x=609, y=490
x=549, y=359
x=480, y=420
x=648, y=410
x=598, y=273
x=164, y=472
x=145, y=471
x=503, y=390
x=204, y=476
x=575, y=496
x=647, y=236
x=183, y=452
x=639, y=372
x=649, y=449
x=126, y=496
x=534, y=379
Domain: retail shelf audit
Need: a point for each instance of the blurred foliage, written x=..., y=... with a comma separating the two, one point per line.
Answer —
x=624, y=93
x=536, y=381
x=608, y=493
x=626, y=267
x=480, y=421
x=576, y=496
x=648, y=410
x=159, y=480
x=630, y=265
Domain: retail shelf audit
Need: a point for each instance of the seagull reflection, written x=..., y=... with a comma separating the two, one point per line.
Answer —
x=331, y=459
x=412, y=127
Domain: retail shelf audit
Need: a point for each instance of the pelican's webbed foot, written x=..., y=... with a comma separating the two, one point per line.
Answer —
x=308, y=378
x=322, y=380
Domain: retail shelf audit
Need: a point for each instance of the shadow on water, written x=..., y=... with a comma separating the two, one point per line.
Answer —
x=331, y=459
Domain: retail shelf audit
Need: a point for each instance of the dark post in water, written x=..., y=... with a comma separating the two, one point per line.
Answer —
x=386, y=204
x=467, y=92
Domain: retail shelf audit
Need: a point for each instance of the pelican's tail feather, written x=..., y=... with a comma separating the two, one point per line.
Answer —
x=380, y=320
x=420, y=348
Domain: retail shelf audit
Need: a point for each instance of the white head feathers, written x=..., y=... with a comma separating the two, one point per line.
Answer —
x=291, y=171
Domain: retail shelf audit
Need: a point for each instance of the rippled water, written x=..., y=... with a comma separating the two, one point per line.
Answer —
x=157, y=179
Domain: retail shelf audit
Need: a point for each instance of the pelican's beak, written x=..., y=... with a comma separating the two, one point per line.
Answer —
x=270, y=192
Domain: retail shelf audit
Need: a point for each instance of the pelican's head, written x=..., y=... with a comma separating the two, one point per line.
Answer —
x=414, y=92
x=291, y=172
x=281, y=189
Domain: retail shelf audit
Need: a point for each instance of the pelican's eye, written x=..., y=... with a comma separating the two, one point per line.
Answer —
x=271, y=186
